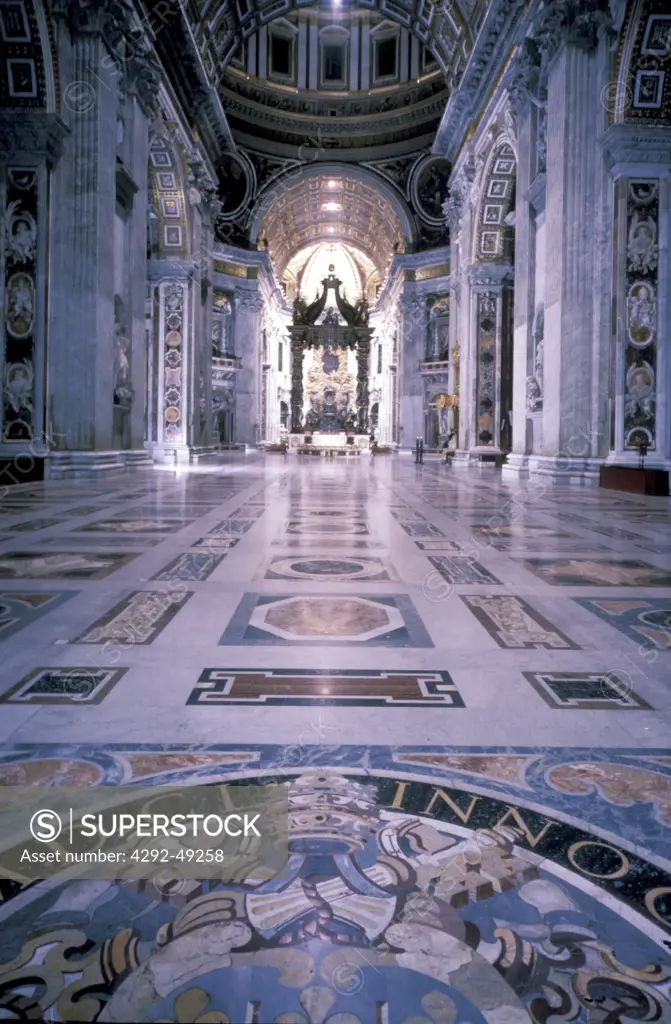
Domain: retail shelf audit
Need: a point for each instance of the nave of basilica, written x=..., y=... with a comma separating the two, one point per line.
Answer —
x=335, y=436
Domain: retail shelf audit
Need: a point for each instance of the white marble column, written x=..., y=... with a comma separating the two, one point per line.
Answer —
x=109, y=79
x=573, y=421
x=525, y=264
x=412, y=354
x=81, y=320
x=31, y=145
x=248, y=306
x=458, y=213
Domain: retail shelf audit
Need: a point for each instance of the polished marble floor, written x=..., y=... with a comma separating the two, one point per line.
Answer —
x=263, y=618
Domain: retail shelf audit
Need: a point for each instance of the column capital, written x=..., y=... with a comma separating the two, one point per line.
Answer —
x=574, y=22
x=524, y=80
x=33, y=135
x=248, y=301
x=203, y=190
x=118, y=25
x=459, y=194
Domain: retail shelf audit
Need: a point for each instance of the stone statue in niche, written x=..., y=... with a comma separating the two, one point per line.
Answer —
x=123, y=390
x=535, y=382
x=542, y=139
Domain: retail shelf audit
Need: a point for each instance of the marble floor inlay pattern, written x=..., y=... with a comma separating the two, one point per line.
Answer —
x=323, y=687
x=318, y=620
x=500, y=864
x=322, y=568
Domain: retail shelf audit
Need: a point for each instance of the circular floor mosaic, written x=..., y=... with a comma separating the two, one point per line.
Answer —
x=402, y=901
x=334, y=569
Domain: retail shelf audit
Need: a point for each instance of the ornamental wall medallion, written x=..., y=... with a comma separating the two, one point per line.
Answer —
x=20, y=305
x=642, y=314
x=428, y=188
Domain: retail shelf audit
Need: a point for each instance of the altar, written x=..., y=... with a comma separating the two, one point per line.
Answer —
x=329, y=444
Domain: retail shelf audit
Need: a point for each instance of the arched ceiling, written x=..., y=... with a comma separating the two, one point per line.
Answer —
x=338, y=208
x=448, y=29
x=273, y=109
x=309, y=266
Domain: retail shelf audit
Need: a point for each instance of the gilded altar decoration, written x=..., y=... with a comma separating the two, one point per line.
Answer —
x=641, y=314
x=330, y=391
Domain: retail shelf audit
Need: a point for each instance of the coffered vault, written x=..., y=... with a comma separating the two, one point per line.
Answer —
x=338, y=207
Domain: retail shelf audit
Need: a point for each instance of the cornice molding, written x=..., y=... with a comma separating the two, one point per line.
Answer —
x=305, y=124
x=636, y=144
x=34, y=135
x=490, y=275
x=484, y=65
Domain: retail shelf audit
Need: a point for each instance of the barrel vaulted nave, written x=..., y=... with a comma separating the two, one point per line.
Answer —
x=337, y=327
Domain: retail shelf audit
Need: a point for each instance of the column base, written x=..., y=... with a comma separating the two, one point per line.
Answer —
x=631, y=460
x=516, y=467
x=467, y=459
x=87, y=465
x=584, y=472
x=180, y=454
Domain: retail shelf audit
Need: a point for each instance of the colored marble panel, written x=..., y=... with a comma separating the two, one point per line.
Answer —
x=605, y=531
x=352, y=527
x=249, y=512
x=647, y=621
x=231, y=526
x=462, y=569
x=421, y=530
x=333, y=543
x=574, y=572
x=592, y=691
x=80, y=685
x=216, y=543
x=163, y=508
x=514, y=624
x=189, y=566
x=408, y=516
x=91, y=542
x=442, y=545
x=517, y=546
x=661, y=517
x=138, y=619
x=323, y=621
x=60, y=565
x=323, y=568
x=342, y=688
x=33, y=525
x=139, y=525
x=22, y=608
x=521, y=530
x=327, y=514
